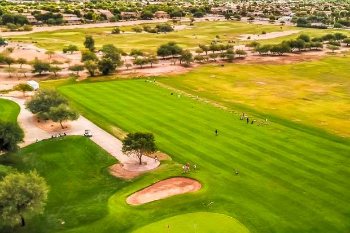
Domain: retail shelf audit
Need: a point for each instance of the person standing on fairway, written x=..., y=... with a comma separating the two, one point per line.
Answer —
x=216, y=132
x=247, y=120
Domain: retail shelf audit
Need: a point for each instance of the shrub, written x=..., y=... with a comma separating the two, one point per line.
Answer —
x=116, y=30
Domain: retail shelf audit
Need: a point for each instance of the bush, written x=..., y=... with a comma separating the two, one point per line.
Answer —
x=116, y=30
x=137, y=29
x=27, y=27
x=164, y=28
x=335, y=43
x=338, y=25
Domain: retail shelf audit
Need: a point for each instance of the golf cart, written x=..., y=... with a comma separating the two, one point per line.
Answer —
x=88, y=133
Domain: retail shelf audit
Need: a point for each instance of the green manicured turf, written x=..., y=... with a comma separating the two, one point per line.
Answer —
x=8, y=110
x=315, y=93
x=196, y=222
x=75, y=170
x=290, y=180
x=201, y=32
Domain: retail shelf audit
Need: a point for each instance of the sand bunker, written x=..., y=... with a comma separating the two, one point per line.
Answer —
x=163, y=189
x=266, y=36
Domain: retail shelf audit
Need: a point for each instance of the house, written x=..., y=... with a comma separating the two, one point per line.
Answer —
x=71, y=19
x=107, y=13
x=161, y=15
x=31, y=19
x=130, y=15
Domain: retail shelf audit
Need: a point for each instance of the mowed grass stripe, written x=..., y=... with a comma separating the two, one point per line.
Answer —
x=184, y=132
x=192, y=129
x=9, y=110
x=133, y=106
x=153, y=119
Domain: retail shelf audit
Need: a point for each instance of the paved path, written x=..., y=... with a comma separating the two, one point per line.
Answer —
x=105, y=140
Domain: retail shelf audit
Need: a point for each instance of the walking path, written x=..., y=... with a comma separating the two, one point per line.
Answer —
x=105, y=140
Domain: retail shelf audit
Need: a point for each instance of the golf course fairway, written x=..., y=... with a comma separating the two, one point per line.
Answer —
x=8, y=110
x=202, y=222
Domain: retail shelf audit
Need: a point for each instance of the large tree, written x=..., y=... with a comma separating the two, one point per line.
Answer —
x=139, y=144
x=43, y=100
x=10, y=135
x=21, y=194
x=40, y=66
x=89, y=43
x=62, y=113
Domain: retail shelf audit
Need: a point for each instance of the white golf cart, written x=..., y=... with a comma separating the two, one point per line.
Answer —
x=88, y=133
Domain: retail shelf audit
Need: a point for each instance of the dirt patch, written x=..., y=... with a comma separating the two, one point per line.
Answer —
x=50, y=126
x=158, y=70
x=163, y=189
x=118, y=171
x=266, y=36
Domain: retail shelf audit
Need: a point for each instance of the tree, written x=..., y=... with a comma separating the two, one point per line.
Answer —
x=339, y=36
x=10, y=135
x=21, y=61
x=89, y=43
x=205, y=48
x=9, y=60
x=88, y=56
x=50, y=53
x=147, y=15
x=113, y=53
x=333, y=48
x=214, y=47
x=10, y=71
x=328, y=37
x=240, y=52
x=55, y=70
x=7, y=18
x=280, y=49
x=199, y=58
x=23, y=87
x=152, y=59
x=71, y=48
x=302, y=22
x=62, y=113
x=116, y=30
x=253, y=44
x=186, y=56
x=136, y=52
x=213, y=56
x=42, y=102
x=347, y=41
x=139, y=144
x=106, y=65
x=128, y=65
x=304, y=37
x=91, y=66
x=163, y=51
x=22, y=194
x=76, y=68
x=140, y=61
x=264, y=49
x=40, y=66
x=171, y=48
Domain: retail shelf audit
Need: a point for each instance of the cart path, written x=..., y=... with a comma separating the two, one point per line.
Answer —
x=102, y=138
